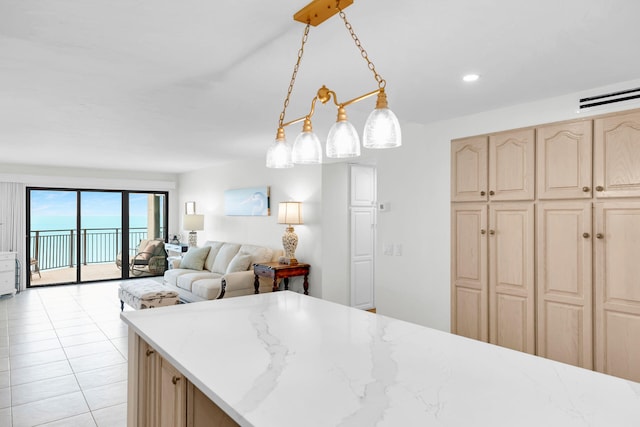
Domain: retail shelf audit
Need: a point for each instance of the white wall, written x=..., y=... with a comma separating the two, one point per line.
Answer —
x=303, y=183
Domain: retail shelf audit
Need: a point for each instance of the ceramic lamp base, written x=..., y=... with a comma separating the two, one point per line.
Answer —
x=289, y=243
x=193, y=239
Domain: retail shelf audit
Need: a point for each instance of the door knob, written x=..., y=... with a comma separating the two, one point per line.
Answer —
x=492, y=232
x=149, y=352
x=599, y=188
x=491, y=192
x=586, y=235
x=599, y=235
x=482, y=193
x=483, y=231
x=585, y=189
x=175, y=380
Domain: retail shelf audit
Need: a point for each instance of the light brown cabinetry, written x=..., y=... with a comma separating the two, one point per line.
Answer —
x=552, y=270
x=564, y=287
x=469, y=169
x=617, y=155
x=172, y=399
x=160, y=395
x=564, y=161
x=469, y=290
x=511, y=284
x=617, y=289
x=511, y=165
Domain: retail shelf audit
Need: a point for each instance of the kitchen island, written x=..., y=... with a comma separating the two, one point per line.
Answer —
x=285, y=359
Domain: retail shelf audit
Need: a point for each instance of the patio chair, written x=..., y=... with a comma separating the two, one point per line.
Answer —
x=150, y=258
x=33, y=264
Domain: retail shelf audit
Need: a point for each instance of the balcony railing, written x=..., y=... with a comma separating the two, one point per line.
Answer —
x=58, y=248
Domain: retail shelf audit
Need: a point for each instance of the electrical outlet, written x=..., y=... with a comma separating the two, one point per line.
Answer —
x=388, y=249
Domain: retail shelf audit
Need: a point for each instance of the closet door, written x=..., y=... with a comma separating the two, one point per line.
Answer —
x=617, y=156
x=469, y=292
x=617, y=290
x=564, y=296
x=469, y=169
x=564, y=160
x=511, y=165
x=511, y=276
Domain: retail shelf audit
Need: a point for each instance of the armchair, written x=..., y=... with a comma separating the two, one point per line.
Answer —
x=150, y=258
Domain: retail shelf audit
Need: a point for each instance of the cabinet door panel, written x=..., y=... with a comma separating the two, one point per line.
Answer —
x=564, y=161
x=469, y=169
x=564, y=296
x=172, y=409
x=617, y=156
x=511, y=276
x=469, y=291
x=617, y=293
x=511, y=165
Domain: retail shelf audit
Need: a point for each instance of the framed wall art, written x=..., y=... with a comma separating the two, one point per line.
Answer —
x=252, y=201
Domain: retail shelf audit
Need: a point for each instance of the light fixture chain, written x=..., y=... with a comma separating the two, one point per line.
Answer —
x=295, y=72
x=381, y=82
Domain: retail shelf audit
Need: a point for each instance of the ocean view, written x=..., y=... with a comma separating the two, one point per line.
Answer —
x=53, y=225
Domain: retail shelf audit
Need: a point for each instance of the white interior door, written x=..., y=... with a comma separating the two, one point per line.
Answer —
x=363, y=235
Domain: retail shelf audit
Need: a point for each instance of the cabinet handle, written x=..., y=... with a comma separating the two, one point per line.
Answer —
x=483, y=231
x=599, y=235
x=175, y=380
x=149, y=352
x=586, y=235
x=491, y=192
x=585, y=189
x=599, y=188
x=492, y=232
x=482, y=193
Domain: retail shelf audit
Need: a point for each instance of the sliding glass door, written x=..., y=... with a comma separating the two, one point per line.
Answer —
x=80, y=236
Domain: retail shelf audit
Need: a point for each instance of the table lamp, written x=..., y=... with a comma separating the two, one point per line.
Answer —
x=193, y=223
x=289, y=213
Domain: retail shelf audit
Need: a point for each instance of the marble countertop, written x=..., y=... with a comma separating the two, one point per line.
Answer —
x=285, y=359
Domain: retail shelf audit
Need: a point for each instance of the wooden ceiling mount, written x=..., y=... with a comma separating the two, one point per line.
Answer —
x=318, y=11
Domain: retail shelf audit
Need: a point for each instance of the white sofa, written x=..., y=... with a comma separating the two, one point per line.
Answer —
x=218, y=269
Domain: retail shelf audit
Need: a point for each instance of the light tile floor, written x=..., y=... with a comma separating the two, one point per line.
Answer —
x=63, y=354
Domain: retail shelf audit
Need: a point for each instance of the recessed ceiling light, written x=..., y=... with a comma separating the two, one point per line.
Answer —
x=471, y=77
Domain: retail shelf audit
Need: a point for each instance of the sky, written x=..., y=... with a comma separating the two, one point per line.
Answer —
x=94, y=203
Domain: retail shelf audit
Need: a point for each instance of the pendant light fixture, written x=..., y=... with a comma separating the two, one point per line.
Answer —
x=382, y=129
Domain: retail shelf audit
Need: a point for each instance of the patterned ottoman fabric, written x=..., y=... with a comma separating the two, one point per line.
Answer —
x=141, y=294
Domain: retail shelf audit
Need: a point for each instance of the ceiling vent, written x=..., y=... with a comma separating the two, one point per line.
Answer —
x=610, y=98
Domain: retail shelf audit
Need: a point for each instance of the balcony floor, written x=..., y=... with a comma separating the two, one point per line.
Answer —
x=90, y=272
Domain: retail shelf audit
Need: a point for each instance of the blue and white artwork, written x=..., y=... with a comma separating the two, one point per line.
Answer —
x=252, y=201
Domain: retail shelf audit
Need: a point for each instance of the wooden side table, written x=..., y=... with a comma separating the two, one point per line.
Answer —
x=275, y=271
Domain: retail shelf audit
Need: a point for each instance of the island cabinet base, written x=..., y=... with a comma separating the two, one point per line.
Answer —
x=159, y=395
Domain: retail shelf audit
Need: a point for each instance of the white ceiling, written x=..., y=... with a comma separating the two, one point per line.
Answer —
x=180, y=85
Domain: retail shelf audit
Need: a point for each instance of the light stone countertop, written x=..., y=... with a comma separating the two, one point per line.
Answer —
x=285, y=359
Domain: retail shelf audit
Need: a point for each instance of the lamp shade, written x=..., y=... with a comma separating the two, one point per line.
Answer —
x=193, y=222
x=290, y=213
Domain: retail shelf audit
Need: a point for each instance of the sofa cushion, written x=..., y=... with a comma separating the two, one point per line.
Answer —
x=258, y=253
x=224, y=257
x=240, y=262
x=194, y=258
x=207, y=288
x=171, y=276
x=213, y=252
x=185, y=281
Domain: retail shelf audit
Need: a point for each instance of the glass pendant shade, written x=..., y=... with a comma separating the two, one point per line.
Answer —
x=382, y=130
x=279, y=155
x=307, y=149
x=343, y=141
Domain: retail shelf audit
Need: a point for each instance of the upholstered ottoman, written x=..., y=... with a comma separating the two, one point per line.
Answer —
x=141, y=294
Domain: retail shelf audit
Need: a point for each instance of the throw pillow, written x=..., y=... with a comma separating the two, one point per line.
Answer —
x=194, y=258
x=149, y=250
x=240, y=262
